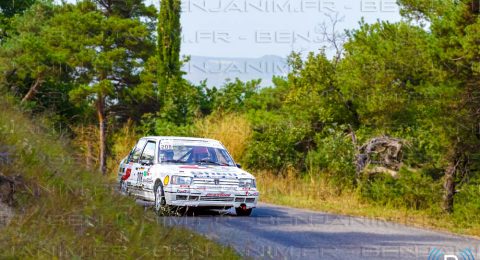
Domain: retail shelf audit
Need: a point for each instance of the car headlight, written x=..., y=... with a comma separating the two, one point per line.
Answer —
x=181, y=180
x=247, y=183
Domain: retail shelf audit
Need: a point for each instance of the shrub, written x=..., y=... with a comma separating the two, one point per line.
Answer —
x=152, y=125
x=467, y=204
x=277, y=143
x=335, y=156
x=410, y=189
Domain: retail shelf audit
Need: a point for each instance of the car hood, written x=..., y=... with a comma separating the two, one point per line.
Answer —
x=209, y=171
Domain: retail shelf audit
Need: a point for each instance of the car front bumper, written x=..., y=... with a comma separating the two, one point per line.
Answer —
x=193, y=197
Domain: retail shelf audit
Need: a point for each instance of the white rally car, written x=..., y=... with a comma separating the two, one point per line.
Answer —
x=187, y=172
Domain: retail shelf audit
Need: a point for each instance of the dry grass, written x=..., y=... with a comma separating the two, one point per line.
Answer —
x=67, y=212
x=314, y=193
x=86, y=143
x=233, y=130
x=125, y=139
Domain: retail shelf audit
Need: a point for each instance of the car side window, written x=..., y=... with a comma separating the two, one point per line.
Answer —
x=149, y=151
x=138, y=150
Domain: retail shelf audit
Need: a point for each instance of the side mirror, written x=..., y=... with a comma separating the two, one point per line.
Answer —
x=146, y=162
x=239, y=165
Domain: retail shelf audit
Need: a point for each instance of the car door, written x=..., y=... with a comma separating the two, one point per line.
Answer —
x=134, y=162
x=146, y=161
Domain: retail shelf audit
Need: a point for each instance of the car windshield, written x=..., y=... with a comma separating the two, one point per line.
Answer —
x=171, y=153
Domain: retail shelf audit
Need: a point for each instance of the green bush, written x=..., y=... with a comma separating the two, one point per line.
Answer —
x=277, y=142
x=334, y=155
x=410, y=189
x=467, y=204
x=152, y=125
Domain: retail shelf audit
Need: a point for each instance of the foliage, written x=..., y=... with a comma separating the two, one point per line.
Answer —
x=414, y=190
x=403, y=80
x=173, y=91
x=333, y=156
x=276, y=142
x=234, y=95
x=9, y=9
x=67, y=211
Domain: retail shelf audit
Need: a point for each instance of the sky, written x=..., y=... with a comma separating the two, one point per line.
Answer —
x=255, y=28
x=225, y=29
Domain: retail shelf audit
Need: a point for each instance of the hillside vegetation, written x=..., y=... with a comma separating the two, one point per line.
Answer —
x=63, y=210
x=390, y=121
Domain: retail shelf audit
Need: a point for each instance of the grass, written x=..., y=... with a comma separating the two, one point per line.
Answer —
x=233, y=130
x=65, y=211
x=316, y=194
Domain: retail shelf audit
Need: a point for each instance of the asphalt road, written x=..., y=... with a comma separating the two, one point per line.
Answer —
x=276, y=232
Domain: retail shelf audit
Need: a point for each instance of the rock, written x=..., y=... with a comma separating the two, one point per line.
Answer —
x=6, y=214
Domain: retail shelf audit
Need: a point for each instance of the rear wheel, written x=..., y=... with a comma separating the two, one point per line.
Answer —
x=243, y=211
x=123, y=188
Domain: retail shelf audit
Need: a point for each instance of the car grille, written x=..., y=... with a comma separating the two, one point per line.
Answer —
x=193, y=198
x=216, y=198
x=211, y=181
x=242, y=199
x=239, y=199
x=185, y=197
x=181, y=197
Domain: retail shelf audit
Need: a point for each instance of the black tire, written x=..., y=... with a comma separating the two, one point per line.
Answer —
x=243, y=212
x=160, y=206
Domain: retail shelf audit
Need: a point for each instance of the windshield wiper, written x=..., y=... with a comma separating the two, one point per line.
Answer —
x=212, y=162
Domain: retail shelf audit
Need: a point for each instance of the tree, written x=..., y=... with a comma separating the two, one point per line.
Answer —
x=107, y=52
x=455, y=26
x=9, y=9
x=170, y=84
x=31, y=58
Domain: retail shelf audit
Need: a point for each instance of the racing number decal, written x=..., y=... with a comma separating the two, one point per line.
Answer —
x=166, y=146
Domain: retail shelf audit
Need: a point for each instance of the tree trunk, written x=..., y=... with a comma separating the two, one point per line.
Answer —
x=102, y=134
x=33, y=89
x=449, y=186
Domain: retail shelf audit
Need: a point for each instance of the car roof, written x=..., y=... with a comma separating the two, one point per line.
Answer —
x=179, y=138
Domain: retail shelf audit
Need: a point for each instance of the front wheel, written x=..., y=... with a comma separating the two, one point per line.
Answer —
x=243, y=211
x=160, y=202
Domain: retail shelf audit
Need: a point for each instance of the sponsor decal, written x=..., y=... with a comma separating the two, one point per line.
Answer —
x=127, y=174
x=182, y=191
x=145, y=173
x=189, y=167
